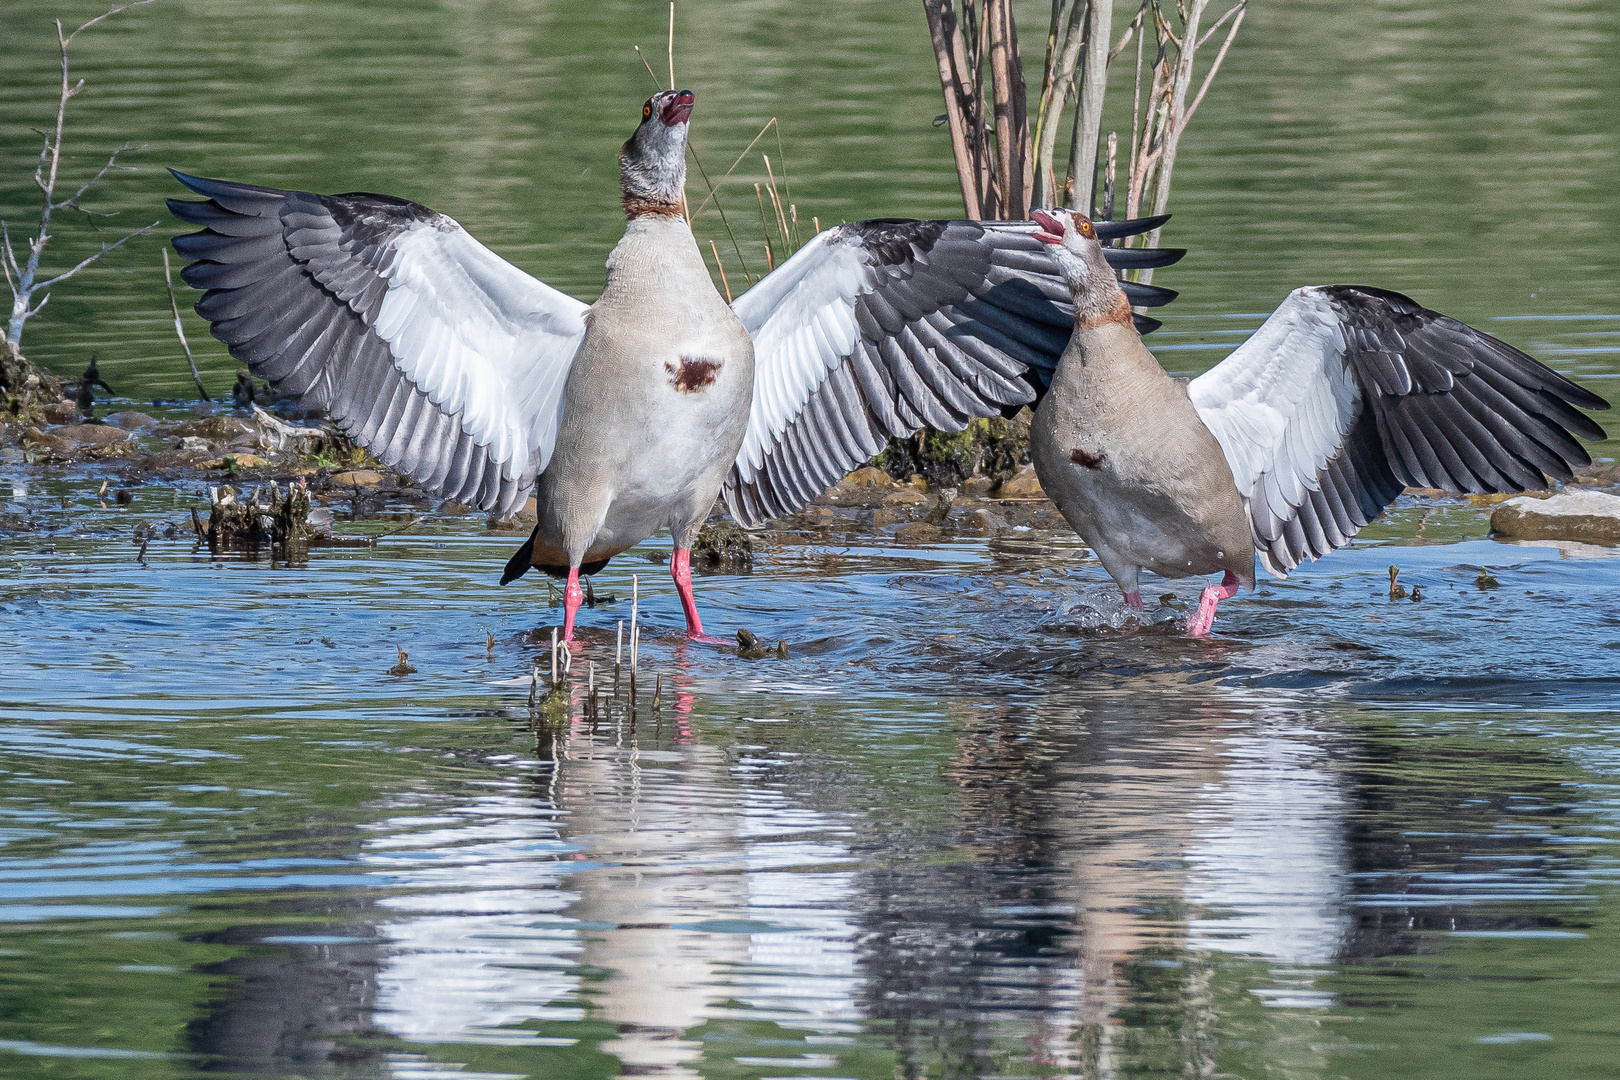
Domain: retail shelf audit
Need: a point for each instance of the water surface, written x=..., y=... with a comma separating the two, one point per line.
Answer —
x=955, y=834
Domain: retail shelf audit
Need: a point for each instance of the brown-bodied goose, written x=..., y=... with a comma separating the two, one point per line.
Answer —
x=482, y=383
x=1285, y=449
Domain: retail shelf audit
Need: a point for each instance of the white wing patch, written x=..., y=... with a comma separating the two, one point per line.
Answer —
x=802, y=320
x=1281, y=406
x=482, y=339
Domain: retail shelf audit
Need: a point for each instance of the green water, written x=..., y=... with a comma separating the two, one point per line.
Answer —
x=951, y=836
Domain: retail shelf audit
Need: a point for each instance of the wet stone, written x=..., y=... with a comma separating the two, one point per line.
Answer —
x=357, y=478
x=1589, y=517
x=62, y=412
x=919, y=532
x=1025, y=485
x=723, y=544
x=868, y=477
x=92, y=434
x=130, y=420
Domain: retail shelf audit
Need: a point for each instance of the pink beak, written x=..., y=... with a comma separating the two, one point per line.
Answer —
x=1051, y=227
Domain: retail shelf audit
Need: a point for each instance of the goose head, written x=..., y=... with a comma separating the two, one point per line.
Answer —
x=1072, y=240
x=652, y=162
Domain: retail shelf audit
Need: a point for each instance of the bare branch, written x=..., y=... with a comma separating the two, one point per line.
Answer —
x=180, y=331
x=37, y=306
x=8, y=259
x=112, y=163
x=1209, y=76
x=1233, y=10
x=104, y=15
x=1125, y=38
x=104, y=249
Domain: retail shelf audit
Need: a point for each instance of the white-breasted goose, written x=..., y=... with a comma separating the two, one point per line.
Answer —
x=1289, y=446
x=482, y=383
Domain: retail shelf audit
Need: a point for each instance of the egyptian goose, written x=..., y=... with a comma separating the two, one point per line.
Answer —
x=633, y=413
x=1285, y=449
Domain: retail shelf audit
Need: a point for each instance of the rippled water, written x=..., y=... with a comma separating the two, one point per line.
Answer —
x=958, y=832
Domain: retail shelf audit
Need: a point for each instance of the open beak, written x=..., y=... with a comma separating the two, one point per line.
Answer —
x=678, y=109
x=1051, y=228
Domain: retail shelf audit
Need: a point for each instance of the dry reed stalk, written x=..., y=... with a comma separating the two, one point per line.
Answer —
x=770, y=256
x=720, y=267
x=776, y=203
x=180, y=331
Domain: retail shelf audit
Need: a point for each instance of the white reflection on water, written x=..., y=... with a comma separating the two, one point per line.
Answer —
x=678, y=888
x=662, y=889
x=1268, y=862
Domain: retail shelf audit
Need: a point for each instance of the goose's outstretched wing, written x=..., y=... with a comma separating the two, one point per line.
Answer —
x=877, y=328
x=443, y=359
x=1347, y=394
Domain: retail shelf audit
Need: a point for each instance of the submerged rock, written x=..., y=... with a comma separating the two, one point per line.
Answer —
x=1590, y=517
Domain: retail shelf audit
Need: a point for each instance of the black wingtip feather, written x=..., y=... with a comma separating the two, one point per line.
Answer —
x=1113, y=230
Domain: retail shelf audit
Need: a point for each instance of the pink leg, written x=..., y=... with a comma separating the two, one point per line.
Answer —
x=1133, y=600
x=1200, y=621
x=573, y=596
x=680, y=568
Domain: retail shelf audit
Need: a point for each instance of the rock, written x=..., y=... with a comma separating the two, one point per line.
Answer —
x=723, y=543
x=983, y=521
x=360, y=478
x=130, y=420
x=1590, y=517
x=885, y=515
x=904, y=496
x=522, y=521
x=918, y=532
x=1499, y=497
x=215, y=429
x=39, y=442
x=1023, y=486
x=977, y=487
x=193, y=444
x=868, y=477
x=93, y=434
x=61, y=412
x=237, y=461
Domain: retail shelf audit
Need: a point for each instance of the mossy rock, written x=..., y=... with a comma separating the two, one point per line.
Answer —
x=723, y=545
x=996, y=448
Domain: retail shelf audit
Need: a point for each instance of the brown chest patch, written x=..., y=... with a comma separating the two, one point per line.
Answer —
x=693, y=374
x=1087, y=458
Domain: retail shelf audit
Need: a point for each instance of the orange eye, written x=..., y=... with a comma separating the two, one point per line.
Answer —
x=1087, y=231
x=646, y=110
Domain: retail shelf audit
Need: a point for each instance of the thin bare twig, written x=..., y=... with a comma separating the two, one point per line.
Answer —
x=105, y=15
x=105, y=247
x=1242, y=9
x=736, y=163
x=112, y=162
x=180, y=331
